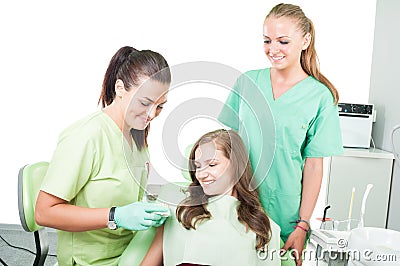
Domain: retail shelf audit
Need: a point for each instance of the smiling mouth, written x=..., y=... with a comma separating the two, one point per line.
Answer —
x=276, y=58
x=208, y=182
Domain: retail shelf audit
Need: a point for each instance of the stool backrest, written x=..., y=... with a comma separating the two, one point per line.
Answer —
x=29, y=181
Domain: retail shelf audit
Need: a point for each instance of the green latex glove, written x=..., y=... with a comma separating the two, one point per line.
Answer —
x=161, y=221
x=139, y=215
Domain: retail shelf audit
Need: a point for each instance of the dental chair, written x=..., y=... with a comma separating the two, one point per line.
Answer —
x=29, y=181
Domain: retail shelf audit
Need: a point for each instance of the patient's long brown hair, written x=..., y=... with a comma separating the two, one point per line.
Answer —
x=250, y=212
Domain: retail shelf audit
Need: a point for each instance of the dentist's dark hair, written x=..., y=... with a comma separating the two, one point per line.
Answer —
x=130, y=65
x=250, y=212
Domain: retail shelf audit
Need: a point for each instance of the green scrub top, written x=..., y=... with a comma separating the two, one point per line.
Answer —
x=304, y=123
x=221, y=240
x=94, y=167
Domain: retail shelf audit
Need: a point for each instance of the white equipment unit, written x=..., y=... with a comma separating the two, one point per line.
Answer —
x=356, y=124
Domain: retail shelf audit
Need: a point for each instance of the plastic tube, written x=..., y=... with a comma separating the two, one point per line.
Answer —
x=367, y=190
x=396, y=155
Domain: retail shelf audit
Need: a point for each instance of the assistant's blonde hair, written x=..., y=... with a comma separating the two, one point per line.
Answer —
x=309, y=59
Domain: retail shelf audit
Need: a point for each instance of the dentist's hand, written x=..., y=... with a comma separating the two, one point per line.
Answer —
x=139, y=215
x=161, y=221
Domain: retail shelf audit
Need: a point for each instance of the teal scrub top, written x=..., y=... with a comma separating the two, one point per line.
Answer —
x=221, y=240
x=94, y=167
x=280, y=134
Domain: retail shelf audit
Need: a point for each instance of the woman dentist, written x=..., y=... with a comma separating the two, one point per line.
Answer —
x=95, y=182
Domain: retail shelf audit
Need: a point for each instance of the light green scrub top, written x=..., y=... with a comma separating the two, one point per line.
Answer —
x=94, y=167
x=306, y=124
x=221, y=240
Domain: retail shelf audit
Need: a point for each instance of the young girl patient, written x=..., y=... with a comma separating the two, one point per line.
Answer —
x=221, y=222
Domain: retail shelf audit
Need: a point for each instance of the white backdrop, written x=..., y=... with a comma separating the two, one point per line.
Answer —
x=54, y=54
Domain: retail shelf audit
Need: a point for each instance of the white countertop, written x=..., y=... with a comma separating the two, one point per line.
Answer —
x=367, y=153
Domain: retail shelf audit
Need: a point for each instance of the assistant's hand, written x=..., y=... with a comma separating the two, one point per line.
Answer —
x=295, y=244
x=139, y=215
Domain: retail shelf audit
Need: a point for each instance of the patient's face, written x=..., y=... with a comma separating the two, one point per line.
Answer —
x=213, y=170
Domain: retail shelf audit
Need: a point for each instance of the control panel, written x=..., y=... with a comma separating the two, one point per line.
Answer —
x=352, y=108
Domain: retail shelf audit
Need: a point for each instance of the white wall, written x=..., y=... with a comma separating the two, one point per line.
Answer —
x=385, y=95
x=53, y=56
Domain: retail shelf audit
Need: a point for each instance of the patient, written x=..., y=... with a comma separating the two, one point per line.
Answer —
x=221, y=222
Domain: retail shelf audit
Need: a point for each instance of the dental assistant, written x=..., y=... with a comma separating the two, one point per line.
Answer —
x=96, y=178
x=303, y=103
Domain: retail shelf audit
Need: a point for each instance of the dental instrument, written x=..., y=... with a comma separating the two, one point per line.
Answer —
x=322, y=226
x=351, y=207
x=324, y=217
x=148, y=198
